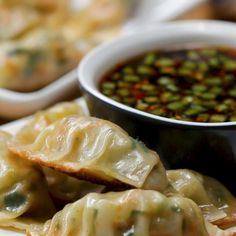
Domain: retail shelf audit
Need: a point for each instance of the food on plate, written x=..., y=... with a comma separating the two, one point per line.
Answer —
x=46, y=5
x=105, y=13
x=42, y=40
x=24, y=198
x=64, y=189
x=99, y=17
x=95, y=150
x=35, y=61
x=191, y=84
x=133, y=212
x=41, y=119
x=99, y=21
x=16, y=21
x=216, y=202
x=62, y=146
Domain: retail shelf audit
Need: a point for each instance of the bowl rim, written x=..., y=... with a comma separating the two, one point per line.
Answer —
x=193, y=25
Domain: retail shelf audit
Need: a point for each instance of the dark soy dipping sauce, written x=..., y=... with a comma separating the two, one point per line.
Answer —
x=197, y=84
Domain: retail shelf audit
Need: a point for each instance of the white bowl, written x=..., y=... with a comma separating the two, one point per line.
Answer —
x=207, y=147
x=177, y=34
x=17, y=104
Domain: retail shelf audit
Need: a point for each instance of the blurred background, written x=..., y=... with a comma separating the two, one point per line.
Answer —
x=43, y=40
x=213, y=9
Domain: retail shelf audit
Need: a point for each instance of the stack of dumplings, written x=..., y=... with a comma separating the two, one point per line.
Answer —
x=67, y=174
x=42, y=40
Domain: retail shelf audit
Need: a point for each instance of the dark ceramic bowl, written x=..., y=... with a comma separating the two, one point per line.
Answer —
x=206, y=147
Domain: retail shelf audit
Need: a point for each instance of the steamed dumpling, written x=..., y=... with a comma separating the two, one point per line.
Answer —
x=23, y=192
x=133, y=212
x=216, y=202
x=95, y=150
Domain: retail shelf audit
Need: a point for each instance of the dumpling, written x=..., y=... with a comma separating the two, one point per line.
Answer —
x=23, y=192
x=62, y=187
x=65, y=189
x=96, y=150
x=16, y=21
x=36, y=60
x=100, y=21
x=132, y=212
x=108, y=12
x=42, y=119
x=45, y=5
x=216, y=202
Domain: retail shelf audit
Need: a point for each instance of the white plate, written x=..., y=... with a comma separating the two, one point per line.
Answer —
x=10, y=233
x=147, y=12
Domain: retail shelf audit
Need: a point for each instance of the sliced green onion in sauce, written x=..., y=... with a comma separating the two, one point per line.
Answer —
x=192, y=84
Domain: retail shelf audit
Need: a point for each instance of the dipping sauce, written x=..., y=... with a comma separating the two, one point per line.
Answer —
x=186, y=84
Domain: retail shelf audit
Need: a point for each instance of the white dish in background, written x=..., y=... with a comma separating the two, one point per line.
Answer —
x=147, y=13
x=10, y=233
x=15, y=104
x=150, y=12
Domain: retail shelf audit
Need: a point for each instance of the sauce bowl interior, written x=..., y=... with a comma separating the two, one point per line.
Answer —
x=206, y=147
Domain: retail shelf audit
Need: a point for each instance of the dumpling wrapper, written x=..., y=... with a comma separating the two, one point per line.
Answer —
x=100, y=21
x=42, y=119
x=37, y=59
x=62, y=188
x=133, y=212
x=216, y=202
x=94, y=150
x=16, y=21
x=45, y=5
x=23, y=191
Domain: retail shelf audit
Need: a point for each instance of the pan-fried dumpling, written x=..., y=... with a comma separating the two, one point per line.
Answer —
x=36, y=60
x=100, y=21
x=16, y=21
x=214, y=230
x=108, y=12
x=94, y=150
x=65, y=189
x=42, y=119
x=23, y=192
x=216, y=202
x=133, y=212
x=62, y=187
x=35, y=4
